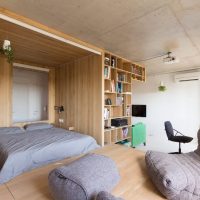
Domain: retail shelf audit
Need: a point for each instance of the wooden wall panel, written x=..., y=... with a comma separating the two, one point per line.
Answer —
x=79, y=88
x=5, y=92
x=52, y=94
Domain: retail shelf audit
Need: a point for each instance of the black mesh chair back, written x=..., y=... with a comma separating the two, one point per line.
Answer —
x=169, y=130
x=175, y=138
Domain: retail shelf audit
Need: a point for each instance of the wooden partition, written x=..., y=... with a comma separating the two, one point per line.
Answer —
x=52, y=98
x=79, y=88
x=5, y=92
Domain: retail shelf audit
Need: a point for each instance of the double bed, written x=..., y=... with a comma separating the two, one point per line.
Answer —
x=26, y=150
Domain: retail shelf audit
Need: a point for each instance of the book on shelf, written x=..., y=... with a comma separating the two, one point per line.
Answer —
x=107, y=72
x=121, y=77
x=106, y=113
x=119, y=88
x=112, y=86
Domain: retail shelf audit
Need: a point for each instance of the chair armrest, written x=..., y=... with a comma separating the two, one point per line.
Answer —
x=177, y=132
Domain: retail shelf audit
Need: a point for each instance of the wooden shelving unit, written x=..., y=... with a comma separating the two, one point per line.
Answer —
x=118, y=76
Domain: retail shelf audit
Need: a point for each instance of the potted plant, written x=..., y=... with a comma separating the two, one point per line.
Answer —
x=162, y=87
x=7, y=51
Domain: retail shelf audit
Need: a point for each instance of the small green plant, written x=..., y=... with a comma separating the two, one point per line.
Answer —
x=162, y=88
x=8, y=52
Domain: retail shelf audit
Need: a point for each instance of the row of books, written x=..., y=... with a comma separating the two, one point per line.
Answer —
x=119, y=102
x=107, y=72
x=137, y=70
x=119, y=88
x=121, y=77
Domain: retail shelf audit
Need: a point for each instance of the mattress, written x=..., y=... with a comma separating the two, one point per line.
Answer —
x=25, y=151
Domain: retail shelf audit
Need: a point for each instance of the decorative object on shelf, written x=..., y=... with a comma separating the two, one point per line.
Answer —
x=162, y=87
x=107, y=61
x=128, y=111
x=59, y=109
x=108, y=101
x=113, y=62
x=7, y=51
x=119, y=100
x=125, y=132
x=106, y=113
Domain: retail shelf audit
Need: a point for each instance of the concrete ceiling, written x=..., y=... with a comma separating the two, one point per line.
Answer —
x=134, y=29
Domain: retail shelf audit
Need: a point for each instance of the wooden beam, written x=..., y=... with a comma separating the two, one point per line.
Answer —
x=39, y=28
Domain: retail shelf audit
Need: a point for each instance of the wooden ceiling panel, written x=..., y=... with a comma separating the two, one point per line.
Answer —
x=36, y=48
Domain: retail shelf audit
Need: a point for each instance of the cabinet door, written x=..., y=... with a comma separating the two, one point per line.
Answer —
x=138, y=134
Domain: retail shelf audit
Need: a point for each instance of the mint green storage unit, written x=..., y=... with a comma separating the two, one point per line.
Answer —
x=138, y=134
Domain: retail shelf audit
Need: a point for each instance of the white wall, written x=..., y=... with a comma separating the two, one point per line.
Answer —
x=30, y=95
x=180, y=104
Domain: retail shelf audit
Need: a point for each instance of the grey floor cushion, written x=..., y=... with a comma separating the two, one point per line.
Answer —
x=84, y=178
x=106, y=196
x=177, y=176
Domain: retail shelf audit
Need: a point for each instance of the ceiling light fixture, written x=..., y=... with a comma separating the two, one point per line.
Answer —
x=170, y=59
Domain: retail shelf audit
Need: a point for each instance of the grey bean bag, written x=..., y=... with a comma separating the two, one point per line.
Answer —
x=106, y=196
x=84, y=178
x=177, y=176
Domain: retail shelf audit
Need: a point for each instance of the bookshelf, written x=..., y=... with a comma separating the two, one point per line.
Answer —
x=118, y=76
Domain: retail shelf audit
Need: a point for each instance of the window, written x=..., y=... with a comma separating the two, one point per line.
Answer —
x=30, y=95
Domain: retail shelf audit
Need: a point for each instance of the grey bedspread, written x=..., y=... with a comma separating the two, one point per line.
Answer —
x=22, y=152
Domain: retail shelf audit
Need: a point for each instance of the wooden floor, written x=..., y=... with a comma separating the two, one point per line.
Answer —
x=134, y=183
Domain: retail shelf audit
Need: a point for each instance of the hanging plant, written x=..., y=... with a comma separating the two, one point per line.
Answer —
x=8, y=52
x=162, y=88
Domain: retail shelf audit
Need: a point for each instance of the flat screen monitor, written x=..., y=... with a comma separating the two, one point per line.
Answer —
x=139, y=110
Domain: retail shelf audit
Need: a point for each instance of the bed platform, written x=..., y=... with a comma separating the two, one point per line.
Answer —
x=28, y=150
x=134, y=184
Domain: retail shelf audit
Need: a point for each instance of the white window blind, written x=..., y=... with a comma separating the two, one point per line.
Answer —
x=30, y=95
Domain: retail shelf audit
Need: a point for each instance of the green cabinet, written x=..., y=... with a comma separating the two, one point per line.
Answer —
x=138, y=134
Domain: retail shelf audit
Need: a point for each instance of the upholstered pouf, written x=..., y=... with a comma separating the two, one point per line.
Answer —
x=106, y=196
x=177, y=176
x=84, y=178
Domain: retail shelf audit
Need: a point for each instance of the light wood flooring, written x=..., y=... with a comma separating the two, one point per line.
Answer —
x=134, y=184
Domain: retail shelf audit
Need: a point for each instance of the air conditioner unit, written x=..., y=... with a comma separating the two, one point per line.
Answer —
x=184, y=77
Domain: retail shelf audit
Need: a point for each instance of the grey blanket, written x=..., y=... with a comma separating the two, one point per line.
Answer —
x=24, y=151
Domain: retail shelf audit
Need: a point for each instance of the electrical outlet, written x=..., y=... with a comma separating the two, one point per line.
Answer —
x=61, y=120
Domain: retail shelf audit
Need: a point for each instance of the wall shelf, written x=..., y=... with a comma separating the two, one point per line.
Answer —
x=119, y=75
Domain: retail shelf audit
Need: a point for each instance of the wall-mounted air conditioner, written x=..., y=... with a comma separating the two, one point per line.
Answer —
x=184, y=77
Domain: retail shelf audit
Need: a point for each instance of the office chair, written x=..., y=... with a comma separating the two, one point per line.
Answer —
x=174, y=138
